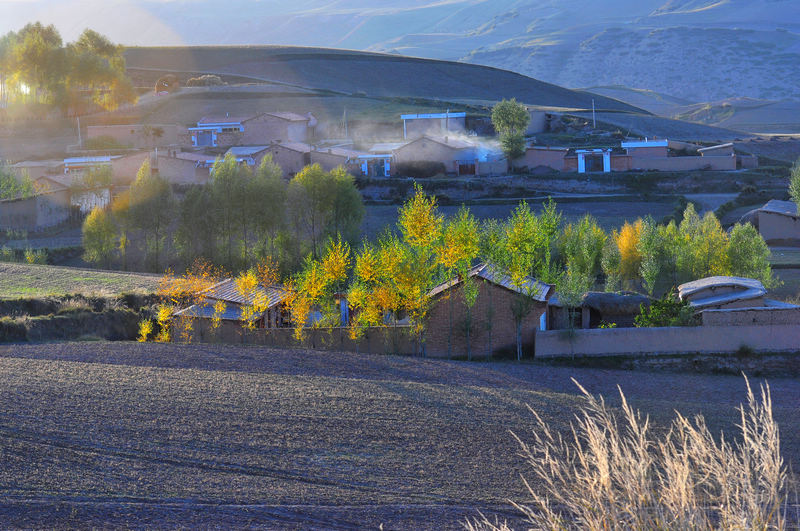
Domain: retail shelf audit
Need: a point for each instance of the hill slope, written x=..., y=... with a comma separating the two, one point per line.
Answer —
x=368, y=73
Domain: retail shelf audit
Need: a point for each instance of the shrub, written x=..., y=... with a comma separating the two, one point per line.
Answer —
x=611, y=474
x=35, y=256
x=666, y=311
x=145, y=330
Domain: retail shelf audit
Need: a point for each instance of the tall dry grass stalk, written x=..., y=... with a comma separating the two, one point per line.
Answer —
x=614, y=474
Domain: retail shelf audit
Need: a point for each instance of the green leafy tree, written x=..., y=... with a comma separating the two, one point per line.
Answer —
x=510, y=120
x=794, y=183
x=152, y=210
x=269, y=191
x=666, y=311
x=748, y=254
x=13, y=187
x=228, y=189
x=99, y=237
x=196, y=231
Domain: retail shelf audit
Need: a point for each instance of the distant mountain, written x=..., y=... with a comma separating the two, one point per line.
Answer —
x=698, y=50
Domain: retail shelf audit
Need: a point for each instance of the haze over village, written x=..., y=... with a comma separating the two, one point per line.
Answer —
x=399, y=264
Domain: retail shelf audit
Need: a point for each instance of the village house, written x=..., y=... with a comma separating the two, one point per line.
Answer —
x=778, y=222
x=436, y=124
x=492, y=323
x=458, y=156
x=596, y=309
x=332, y=157
x=640, y=155
x=79, y=165
x=202, y=313
x=43, y=210
x=124, y=169
x=226, y=130
x=292, y=157
x=185, y=168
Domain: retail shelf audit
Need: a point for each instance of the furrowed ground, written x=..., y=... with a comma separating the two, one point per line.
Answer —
x=123, y=434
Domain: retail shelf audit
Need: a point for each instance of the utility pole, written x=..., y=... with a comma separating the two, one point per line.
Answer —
x=594, y=122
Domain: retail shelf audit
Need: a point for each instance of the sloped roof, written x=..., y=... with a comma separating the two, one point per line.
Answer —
x=340, y=152
x=449, y=141
x=289, y=116
x=615, y=303
x=246, y=151
x=206, y=311
x=64, y=181
x=539, y=291
x=776, y=206
x=215, y=119
x=294, y=146
x=226, y=291
x=744, y=289
x=386, y=147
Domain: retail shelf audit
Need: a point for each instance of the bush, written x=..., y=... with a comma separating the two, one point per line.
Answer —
x=208, y=80
x=666, y=311
x=617, y=475
x=421, y=169
x=35, y=256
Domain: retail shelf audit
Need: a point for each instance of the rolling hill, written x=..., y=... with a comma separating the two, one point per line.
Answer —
x=369, y=74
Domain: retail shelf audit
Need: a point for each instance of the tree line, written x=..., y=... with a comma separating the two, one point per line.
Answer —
x=390, y=280
x=241, y=217
x=37, y=67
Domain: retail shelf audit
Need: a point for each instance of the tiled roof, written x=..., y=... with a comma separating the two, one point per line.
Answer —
x=226, y=291
x=537, y=290
x=246, y=151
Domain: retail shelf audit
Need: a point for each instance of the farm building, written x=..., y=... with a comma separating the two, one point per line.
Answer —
x=41, y=211
x=125, y=168
x=778, y=222
x=83, y=199
x=457, y=155
x=225, y=292
x=654, y=155
x=417, y=125
x=595, y=309
x=492, y=322
x=82, y=164
x=249, y=155
x=290, y=156
x=137, y=136
x=330, y=158
x=185, y=168
x=227, y=130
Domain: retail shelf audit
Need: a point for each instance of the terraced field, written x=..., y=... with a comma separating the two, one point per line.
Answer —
x=31, y=280
x=129, y=435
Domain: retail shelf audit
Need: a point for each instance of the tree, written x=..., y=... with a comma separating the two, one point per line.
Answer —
x=324, y=204
x=268, y=189
x=455, y=253
x=510, y=120
x=12, y=187
x=748, y=254
x=228, y=190
x=122, y=218
x=794, y=183
x=99, y=237
x=151, y=210
x=195, y=234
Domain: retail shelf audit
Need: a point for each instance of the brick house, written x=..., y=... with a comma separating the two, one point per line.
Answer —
x=290, y=156
x=458, y=156
x=330, y=158
x=493, y=327
x=185, y=168
x=262, y=128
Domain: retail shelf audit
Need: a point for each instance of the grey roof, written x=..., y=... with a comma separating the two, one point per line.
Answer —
x=539, y=291
x=233, y=312
x=226, y=291
x=246, y=151
x=386, y=147
x=744, y=289
x=777, y=206
x=615, y=303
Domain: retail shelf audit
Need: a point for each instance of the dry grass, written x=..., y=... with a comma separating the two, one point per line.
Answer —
x=28, y=280
x=610, y=474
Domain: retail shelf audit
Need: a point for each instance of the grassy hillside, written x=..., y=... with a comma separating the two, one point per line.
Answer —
x=26, y=280
x=370, y=74
x=177, y=436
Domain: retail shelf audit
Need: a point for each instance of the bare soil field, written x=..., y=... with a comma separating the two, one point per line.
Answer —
x=142, y=436
x=30, y=280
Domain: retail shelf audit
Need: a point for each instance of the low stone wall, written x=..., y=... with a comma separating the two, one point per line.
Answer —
x=667, y=341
